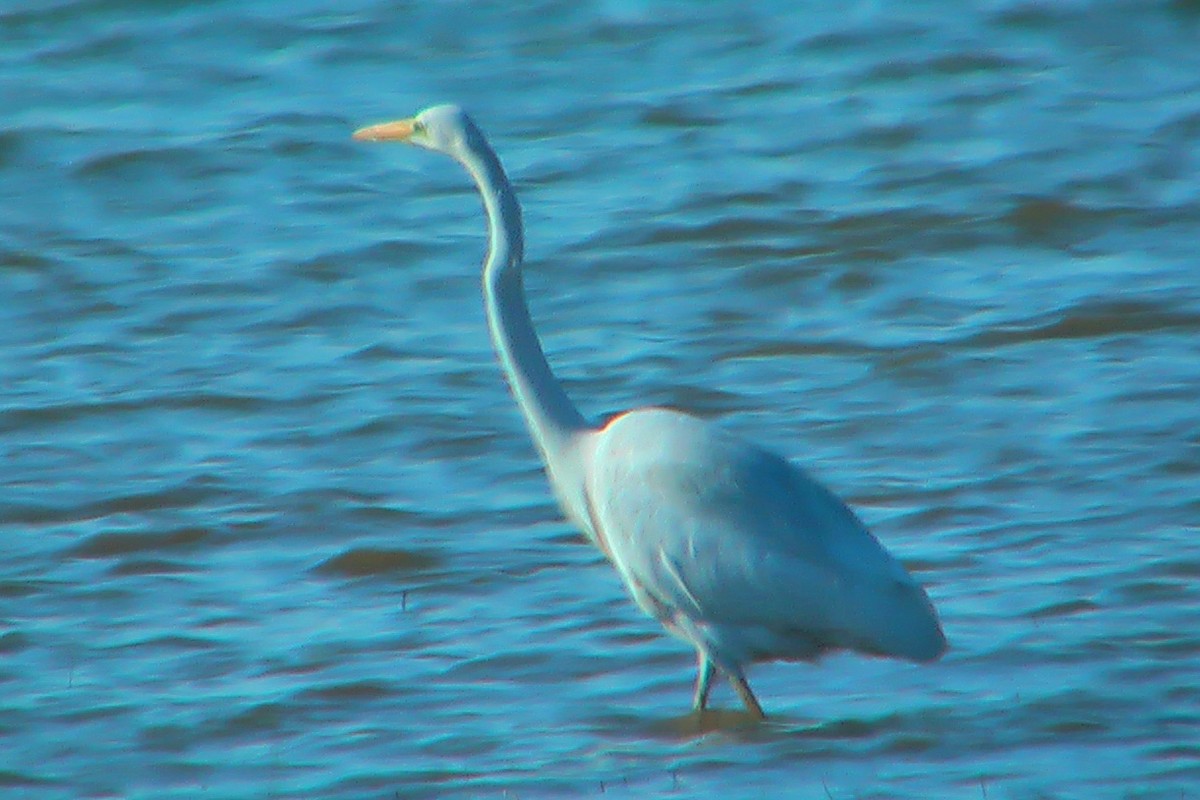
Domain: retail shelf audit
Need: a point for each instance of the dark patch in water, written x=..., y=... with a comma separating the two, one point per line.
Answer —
x=364, y=561
x=110, y=544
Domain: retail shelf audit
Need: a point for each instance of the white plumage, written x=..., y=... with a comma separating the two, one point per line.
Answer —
x=731, y=547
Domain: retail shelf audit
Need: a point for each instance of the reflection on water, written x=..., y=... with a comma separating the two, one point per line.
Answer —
x=272, y=526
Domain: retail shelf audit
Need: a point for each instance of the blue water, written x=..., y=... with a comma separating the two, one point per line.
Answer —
x=272, y=527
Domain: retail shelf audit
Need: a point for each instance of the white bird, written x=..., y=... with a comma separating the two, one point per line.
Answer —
x=732, y=548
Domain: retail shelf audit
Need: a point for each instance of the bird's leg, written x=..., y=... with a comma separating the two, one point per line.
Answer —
x=748, y=699
x=704, y=675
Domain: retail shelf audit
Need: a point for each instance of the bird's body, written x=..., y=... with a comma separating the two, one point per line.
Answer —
x=731, y=547
x=740, y=550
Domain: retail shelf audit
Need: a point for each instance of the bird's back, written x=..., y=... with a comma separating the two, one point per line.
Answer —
x=730, y=543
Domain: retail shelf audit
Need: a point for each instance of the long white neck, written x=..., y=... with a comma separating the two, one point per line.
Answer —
x=553, y=420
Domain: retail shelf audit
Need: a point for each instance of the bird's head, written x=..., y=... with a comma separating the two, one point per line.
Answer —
x=446, y=128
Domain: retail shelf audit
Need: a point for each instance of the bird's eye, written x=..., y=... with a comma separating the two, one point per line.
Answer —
x=418, y=126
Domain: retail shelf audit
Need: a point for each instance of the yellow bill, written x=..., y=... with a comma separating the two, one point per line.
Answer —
x=399, y=131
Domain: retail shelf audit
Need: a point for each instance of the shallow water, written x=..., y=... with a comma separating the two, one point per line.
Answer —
x=272, y=527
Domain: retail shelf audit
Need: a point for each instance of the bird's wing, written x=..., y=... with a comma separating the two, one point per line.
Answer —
x=731, y=535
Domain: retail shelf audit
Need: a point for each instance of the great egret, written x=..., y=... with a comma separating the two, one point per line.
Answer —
x=732, y=548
